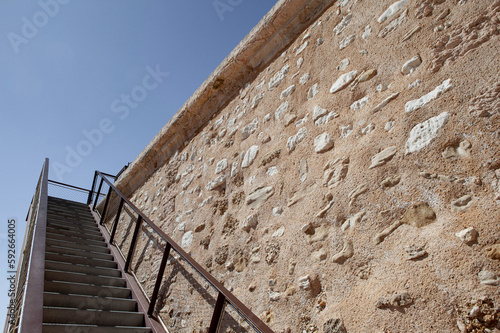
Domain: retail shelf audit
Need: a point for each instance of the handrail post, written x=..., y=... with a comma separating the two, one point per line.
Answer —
x=117, y=217
x=89, y=200
x=105, y=206
x=218, y=310
x=159, y=279
x=132, y=244
x=98, y=193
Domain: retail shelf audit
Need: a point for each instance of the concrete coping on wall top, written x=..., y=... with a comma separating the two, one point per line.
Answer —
x=268, y=39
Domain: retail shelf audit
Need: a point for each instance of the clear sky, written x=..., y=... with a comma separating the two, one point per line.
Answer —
x=89, y=83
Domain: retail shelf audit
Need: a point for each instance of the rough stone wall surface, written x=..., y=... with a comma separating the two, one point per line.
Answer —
x=354, y=184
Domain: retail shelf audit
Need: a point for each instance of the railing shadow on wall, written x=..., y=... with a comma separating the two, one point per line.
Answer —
x=182, y=294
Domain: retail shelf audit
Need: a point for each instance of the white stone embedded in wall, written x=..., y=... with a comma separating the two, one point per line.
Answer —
x=347, y=41
x=219, y=181
x=294, y=140
x=187, y=239
x=250, y=156
x=345, y=130
x=383, y=157
x=312, y=91
x=287, y=92
x=422, y=134
x=438, y=91
x=272, y=171
x=409, y=66
x=256, y=100
x=359, y=104
x=343, y=64
x=234, y=169
x=322, y=143
x=393, y=9
x=280, y=111
x=302, y=48
x=343, y=24
x=304, y=78
x=385, y=102
x=249, y=129
x=221, y=166
x=318, y=112
x=300, y=61
x=367, y=32
x=187, y=182
x=343, y=81
x=324, y=119
x=278, y=77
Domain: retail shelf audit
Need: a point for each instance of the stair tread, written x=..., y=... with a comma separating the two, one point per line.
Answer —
x=83, y=288
x=53, y=299
x=62, y=328
x=79, y=268
x=96, y=317
x=73, y=288
x=97, y=280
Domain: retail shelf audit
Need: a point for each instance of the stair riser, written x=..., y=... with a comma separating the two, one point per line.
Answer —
x=74, y=234
x=71, y=226
x=66, y=267
x=72, y=245
x=80, y=260
x=67, y=316
x=80, y=253
x=74, y=239
x=80, y=289
x=48, y=328
x=82, y=278
x=88, y=302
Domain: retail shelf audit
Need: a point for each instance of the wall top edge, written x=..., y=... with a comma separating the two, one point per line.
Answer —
x=248, y=58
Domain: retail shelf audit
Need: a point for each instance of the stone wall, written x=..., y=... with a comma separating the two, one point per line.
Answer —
x=353, y=182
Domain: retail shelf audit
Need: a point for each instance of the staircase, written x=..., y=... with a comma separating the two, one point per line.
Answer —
x=83, y=290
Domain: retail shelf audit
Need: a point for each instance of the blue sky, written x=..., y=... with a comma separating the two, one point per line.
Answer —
x=89, y=83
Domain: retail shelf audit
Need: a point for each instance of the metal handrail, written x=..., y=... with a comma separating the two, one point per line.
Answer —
x=224, y=295
x=30, y=272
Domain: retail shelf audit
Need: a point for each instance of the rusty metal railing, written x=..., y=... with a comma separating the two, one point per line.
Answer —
x=121, y=205
x=28, y=304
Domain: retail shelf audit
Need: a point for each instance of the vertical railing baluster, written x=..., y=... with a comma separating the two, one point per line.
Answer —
x=98, y=193
x=218, y=311
x=132, y=244
x=105, y=206
x=117, y=217
x=89, y=200
x=159, y=278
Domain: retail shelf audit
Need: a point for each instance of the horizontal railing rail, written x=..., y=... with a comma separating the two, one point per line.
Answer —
x=67, y=192
x=224, y=296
